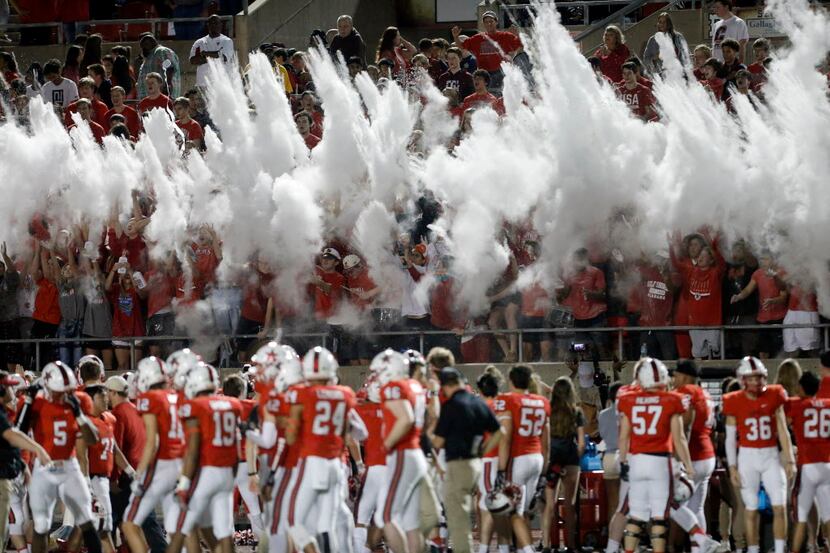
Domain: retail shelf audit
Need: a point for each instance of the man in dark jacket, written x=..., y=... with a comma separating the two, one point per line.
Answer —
x=348, y=41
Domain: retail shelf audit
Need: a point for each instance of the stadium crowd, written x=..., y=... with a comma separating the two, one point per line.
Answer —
x=105, y=289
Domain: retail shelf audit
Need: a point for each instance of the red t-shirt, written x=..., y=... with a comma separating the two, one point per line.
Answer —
x=218, y=417
x=162, y=404
x=590, y=279
x=703, y=287
x=768, y=288
x=325, y=415
x=810, y=418
x=360, y=282
x=411, y=391
x=610, y=64
x=443, y=314
x=756, y=68
x=147, y=103
x=700, y=438
x=47, y=309
x=101, y=455
x=801, y=300
x=126, y=312
x=649, y=413
x=311, y=140
x=254, y=297
x=536, y=301
x=652, y=297
x=134, y=249
x=372, y=415
x=528, y=414
x=638, y=99
x=477, y=100
x=490, y=49
x=98, y=132
x=192, y=130
x=98, y=112
x=717, y=86
x=325, y=303
x=130, y=434
x=161, y=289
x=133, y=121
x=205, y=264
x=755, y=417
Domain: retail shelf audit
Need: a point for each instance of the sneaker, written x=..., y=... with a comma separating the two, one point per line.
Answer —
x=708, y=545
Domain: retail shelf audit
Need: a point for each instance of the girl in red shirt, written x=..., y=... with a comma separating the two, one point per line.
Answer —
x=126, y=312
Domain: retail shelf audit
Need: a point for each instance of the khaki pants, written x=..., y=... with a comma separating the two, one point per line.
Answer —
x=460, y=485
x=5, y=502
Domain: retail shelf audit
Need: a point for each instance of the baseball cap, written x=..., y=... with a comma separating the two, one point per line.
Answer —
x=331, y=252
x=688, y=367
x=386, y=61
x=355, y=60
x=450, y=375
x=489, y=13
x=351, y=261
x=116, y=384
x=146, y=34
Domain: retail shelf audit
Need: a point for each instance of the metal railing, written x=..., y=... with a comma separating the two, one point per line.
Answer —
x=154, y=24
x=586, y=5
x=423, y=336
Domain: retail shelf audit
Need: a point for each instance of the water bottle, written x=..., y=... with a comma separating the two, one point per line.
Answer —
x=138, y=278
x=643, y=350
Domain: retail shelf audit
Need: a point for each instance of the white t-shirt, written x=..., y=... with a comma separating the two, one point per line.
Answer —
x=221, y=44
x=734, y=27
x=60, y=95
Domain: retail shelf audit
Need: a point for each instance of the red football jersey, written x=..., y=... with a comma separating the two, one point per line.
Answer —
x=291, y=453
x=248, y=405
x=325, y=415
x=54, y=427
x=700, y=437
x=163, y=404
x=218, y=417
x=528, y=413
x=755, y=417
x=491, y=403
x=373, y=451
x=414, y=393
x=811, y=427
x=650, y=414
x=85, y=400
x=100, y=455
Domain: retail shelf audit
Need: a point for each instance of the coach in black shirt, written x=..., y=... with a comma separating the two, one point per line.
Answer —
x=464, y=420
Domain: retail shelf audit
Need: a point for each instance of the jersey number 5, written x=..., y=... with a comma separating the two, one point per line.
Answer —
x=328, y=420
x=59, y=430
x=531, y=422
x=644, y=419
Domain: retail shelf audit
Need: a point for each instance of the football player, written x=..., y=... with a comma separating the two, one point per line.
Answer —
x=755, y=426
x=523, y=453
x=56, y=420
x=205, y=487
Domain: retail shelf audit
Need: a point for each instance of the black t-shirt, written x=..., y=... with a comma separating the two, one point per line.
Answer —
x=737, y=278
x=464, y=420
x=10, y=461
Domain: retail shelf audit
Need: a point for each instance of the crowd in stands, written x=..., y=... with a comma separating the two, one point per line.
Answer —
x=74, y=283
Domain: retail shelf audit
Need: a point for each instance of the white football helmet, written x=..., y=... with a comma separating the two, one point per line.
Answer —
x=291, y=370
x=268, y=360
x=94, y=359
x=683, y=486
x=415, y=358
x=373, y=389
x=319, y=364
x=151, y=371
x=19, y=383
x=503, y=501
x=389, y=365
x=201, y=378
x=751, y=366
x=179, y=363
x=651, y=373
x=58, y=378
